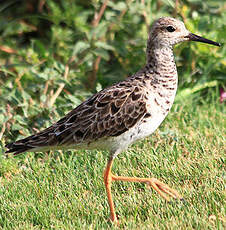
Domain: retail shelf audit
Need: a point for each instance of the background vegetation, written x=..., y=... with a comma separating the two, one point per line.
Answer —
x=53, y=55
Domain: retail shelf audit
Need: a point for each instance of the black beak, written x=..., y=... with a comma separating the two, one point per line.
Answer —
x=194, y=37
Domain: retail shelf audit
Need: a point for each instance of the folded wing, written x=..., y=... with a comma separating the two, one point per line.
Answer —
x=110, y=112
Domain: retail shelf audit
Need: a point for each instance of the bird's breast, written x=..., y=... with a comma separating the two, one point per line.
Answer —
x=158, y=106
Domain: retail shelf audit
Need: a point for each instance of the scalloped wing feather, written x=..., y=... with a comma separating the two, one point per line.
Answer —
x=108, y=113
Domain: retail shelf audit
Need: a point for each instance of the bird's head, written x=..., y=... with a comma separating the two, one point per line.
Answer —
x=168, y=31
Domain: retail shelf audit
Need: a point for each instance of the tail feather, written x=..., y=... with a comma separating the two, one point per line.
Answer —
x=50, y=138
x=16, y=148
x=33, y=143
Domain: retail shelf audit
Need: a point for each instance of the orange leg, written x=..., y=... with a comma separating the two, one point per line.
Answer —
x=161, y=188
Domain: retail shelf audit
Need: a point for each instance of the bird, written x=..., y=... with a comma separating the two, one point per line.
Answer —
x=121, y=114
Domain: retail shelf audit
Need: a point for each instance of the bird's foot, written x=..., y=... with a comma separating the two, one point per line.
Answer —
x=163, y=189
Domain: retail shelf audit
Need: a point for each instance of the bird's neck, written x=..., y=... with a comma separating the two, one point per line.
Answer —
x=161, y=69
x=161, y=59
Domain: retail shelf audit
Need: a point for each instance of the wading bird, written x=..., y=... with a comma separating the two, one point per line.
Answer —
x=123, y=113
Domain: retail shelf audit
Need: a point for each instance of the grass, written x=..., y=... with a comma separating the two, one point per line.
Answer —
x=65, y=190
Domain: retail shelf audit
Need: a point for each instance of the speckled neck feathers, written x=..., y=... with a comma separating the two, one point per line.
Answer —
x=159, y=74
x=160, y=59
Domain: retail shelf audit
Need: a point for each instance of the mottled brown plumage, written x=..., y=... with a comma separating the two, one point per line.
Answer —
x=108, y=113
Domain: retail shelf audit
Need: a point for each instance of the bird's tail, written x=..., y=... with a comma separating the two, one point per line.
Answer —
x=37, y=142
x=17, y=148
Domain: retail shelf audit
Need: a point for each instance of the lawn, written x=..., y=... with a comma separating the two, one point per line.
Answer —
x=65, y=190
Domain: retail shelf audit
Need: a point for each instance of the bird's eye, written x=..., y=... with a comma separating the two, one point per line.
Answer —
x=170, y=29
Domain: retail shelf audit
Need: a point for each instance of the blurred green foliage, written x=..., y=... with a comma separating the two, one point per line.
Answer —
x=54, y=54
